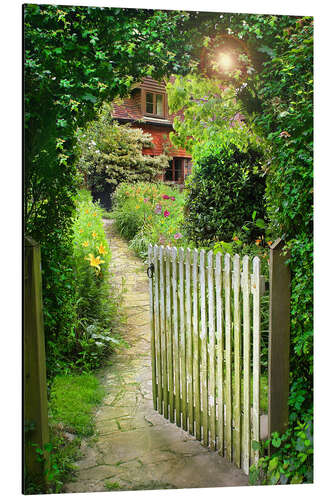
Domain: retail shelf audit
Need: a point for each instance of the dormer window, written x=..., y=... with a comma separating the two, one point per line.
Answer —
x=154, y=104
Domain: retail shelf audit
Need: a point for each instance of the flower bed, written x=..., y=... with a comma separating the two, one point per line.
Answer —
x=97, y=303
x=149, y=213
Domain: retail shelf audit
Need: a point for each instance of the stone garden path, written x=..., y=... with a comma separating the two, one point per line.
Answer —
x=135, y=448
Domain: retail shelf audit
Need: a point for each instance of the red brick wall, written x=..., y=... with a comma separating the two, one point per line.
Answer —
x=160, y=136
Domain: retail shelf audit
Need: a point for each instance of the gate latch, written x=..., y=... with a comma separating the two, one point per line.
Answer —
x=150, y=270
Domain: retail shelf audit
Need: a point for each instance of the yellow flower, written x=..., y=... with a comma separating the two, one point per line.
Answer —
x=80, y=230
x=93, y=234
x=95, y=261
x=101, y=249
x=89, y=224
x=137, y=206
x=94, y=214
x=87, y=211
x=85, y=243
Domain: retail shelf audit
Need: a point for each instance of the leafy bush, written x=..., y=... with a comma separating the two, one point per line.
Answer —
x=223, y=192
x=290, y=461
x=149, y=213
x=286, y=92
x=110, y=153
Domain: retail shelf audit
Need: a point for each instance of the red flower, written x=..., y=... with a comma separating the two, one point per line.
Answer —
x=166, y=213
x=165, y=197
x=172, y=198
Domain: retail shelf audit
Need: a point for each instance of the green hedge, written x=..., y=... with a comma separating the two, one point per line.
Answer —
x=223, y=192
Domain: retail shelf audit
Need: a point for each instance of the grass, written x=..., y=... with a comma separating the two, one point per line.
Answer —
x=112, y=486
x=73, y=399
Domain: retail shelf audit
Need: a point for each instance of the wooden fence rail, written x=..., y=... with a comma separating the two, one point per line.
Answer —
x=205, y=324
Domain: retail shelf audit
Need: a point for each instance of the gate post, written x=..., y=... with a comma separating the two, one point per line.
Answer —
x=279, y=339
x=34, y=383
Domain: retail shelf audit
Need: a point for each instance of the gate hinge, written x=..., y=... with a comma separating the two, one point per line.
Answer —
x=150, y=270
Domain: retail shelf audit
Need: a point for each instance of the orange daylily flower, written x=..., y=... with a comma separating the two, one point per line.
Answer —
x=95, y=261
x=101, y=249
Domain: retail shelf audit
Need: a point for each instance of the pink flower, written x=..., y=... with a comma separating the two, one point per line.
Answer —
x=165, y=197
x=166, y=213
x=158, y=209
x=146, y=200
x=172, y=198
x=177, y=236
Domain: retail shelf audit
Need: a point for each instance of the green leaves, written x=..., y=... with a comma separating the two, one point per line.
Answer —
x=219, y=197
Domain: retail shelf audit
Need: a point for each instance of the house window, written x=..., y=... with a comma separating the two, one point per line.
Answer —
x=187, y=167
x=175, y=171
x=154, y=104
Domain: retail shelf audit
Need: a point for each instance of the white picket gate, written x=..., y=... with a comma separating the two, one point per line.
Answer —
x=205, y=328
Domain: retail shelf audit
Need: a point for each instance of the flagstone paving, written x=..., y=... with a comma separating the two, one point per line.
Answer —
x=135, y=448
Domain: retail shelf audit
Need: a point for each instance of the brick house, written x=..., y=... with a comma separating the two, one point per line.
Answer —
x=147, y=108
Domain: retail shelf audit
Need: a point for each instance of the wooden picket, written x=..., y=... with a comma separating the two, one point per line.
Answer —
x=205, y=324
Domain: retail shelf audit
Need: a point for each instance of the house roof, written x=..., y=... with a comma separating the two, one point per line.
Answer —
x=129, y=109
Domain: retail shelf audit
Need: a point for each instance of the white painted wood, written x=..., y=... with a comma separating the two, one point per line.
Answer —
x=196, y=347
x=182, y=342
x=211, y=351
x=157, y=329
x=152, y=328
x=246, y=438
x=237, y=363
x=174, y=254
x=168, y=324
x=163, y=333
x=220, y=349
x=228, y=377
x=256, y=353
x=203, y=338
x=188, y=340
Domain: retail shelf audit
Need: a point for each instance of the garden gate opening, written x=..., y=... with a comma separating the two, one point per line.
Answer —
x=205, y=318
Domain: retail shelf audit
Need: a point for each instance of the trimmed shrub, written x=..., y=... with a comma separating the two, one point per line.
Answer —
x=224, y=191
